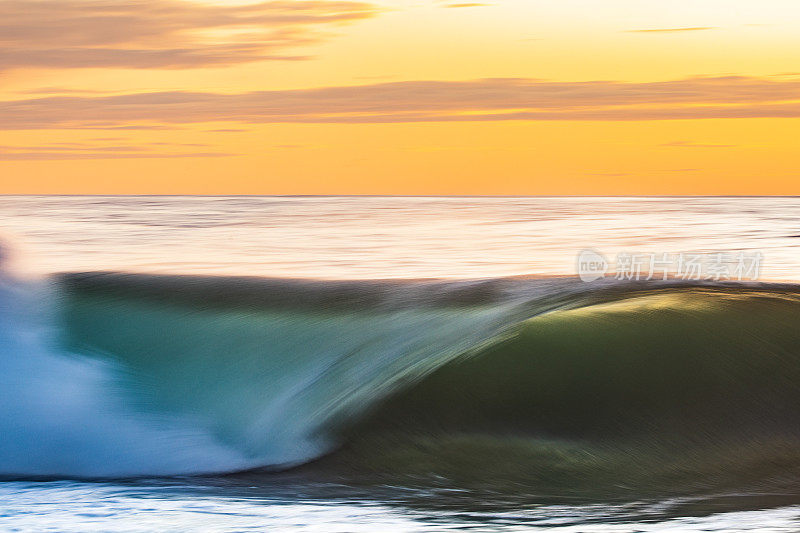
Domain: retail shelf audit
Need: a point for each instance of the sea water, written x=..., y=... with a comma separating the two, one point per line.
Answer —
x=133, y=401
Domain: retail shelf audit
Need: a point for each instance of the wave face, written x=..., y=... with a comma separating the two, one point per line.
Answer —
x=551, y=380
x=675, y=391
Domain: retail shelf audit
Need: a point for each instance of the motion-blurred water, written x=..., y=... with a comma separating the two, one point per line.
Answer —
x=389, y=237
x=451, y=463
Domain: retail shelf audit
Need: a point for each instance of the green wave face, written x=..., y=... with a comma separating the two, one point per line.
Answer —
x=667, y=392
x=653, y=389
x=681, y=364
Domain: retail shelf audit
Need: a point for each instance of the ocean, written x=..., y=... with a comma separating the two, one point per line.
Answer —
x=399, y=363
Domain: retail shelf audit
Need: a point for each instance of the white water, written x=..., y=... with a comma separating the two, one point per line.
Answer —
x=60, y=414
x=172, y=508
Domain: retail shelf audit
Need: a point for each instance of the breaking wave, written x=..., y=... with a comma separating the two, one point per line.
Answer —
x=552, y=380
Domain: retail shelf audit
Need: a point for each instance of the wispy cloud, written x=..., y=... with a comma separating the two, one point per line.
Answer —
x=81, y=150
x=687, y=144
x=609, y=174
x=49, y=156
x=61, y=90
x=420, y=101
x=163, y=34
x=228, y=130
x=104, y=125
x=466, y=4
x=672, y=30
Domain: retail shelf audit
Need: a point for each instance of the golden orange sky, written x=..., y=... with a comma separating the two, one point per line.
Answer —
x=400, y=97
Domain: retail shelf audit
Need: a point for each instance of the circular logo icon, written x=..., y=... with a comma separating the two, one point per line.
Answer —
x=591, y=265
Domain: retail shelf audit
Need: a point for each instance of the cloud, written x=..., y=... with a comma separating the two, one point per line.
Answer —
x=79, y=150
x=672, y=30
x=687, y=144
x=466, y=4
x=609, y=174
x=162, y=34
x=107, y=126
x=61, y=90
x=178, y=144
x=51, y=156
x=496, y=99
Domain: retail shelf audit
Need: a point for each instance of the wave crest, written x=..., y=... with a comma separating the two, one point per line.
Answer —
x=220, y=374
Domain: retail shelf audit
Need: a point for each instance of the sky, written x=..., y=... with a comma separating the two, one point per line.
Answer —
x=495, y=97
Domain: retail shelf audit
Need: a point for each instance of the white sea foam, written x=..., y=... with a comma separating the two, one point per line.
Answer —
x=63, y=414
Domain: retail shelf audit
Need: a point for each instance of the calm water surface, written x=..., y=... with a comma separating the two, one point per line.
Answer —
x=364, y=238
